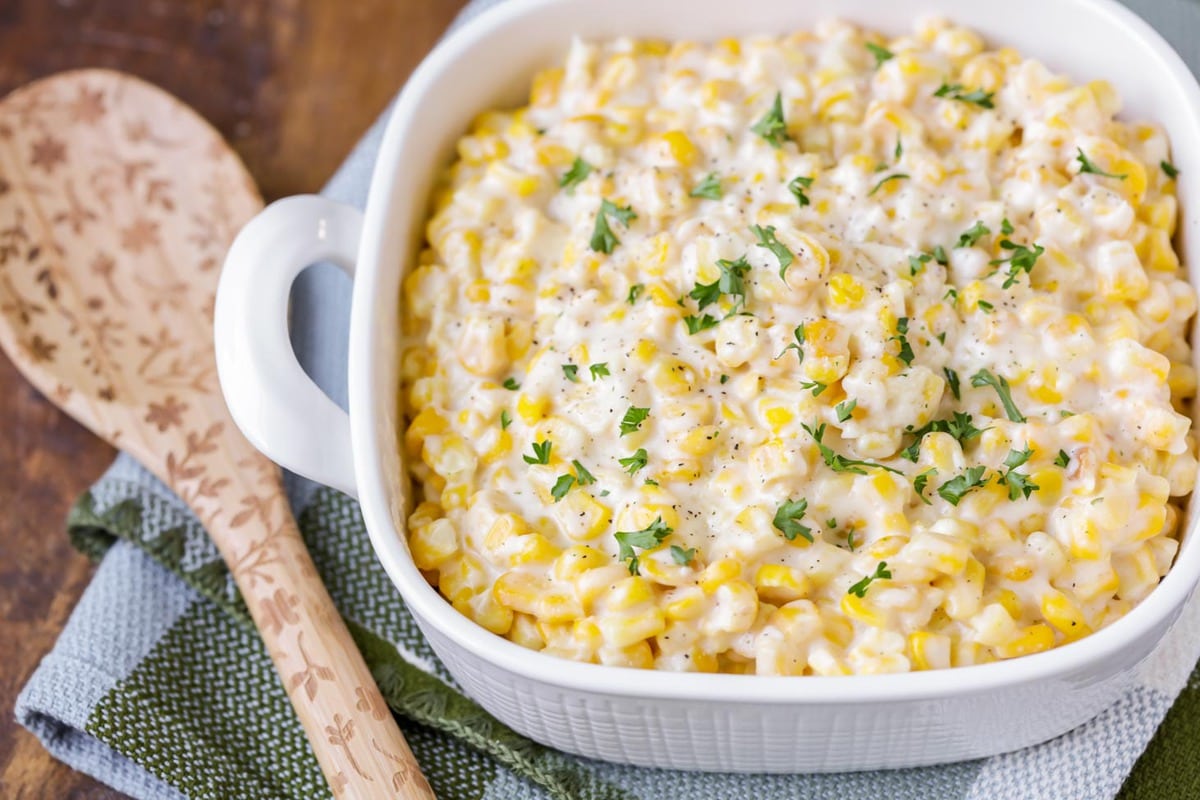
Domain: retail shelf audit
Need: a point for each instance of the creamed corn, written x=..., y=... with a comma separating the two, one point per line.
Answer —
x=817, y=354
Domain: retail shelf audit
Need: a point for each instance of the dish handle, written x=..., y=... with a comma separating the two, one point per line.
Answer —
x=275, y=404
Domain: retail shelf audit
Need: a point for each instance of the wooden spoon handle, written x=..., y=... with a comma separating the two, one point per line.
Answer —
x=350, y=727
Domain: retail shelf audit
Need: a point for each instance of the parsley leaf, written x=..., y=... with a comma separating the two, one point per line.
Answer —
x=896, y=176
x=1021, y=260
x=681, y=556
x=635, y=292
x=986, y=378
x=772, y=126
x=953, y=490
x=1170, y=169
x=839, y=463
x=844, y=409
x=571, y=372
x=650, y=536
x=797, y=345
x=731, y=282
x=635, y=461
x=1062, y=460
x=921, y=481
x=816, y=386
x=916, y=264
x=1086, y=166
x=541, y=453
x=709, y=188
x=1006, y=227
x=766, y=238
x=505, y=419
x=603, y=239
x=562, y=486
x=575, y=175
x=511, y=384
x=860, y=589
x=953, y=381
x=796, y=186
x=633, y=419
x=787, y=520
x=696, y=324
x=961, y=426
x=972, y=235
x=984, y=305
x=599, y=370
x=954, y=91
x=881, y=53
x=906, y=352
x=582, y=476
x=1018, y=483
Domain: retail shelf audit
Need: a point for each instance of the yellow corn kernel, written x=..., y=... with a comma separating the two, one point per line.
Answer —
x=428, y=422
x=433, y=543
x=544, y=90
x=526, y=633
x=859, y=609
x=685, y=603
x=778, y=417
x=720, y=572
x=486, y=612
x=575, y=560
x=672, y=376
x=504, y=528
x=886, y=547
x=583, y=517
x=1011, y=602
x=1085, y=540
x=628, y=594
x=533, y=548
x=636, y=656
x=779, y=583
x=1032, y=639
x=461, y=576
x=519, y=591
x=623, y=630
x=532, y=409
x=681, y=148
x=846, y=291
x=1061, y=612
x=557, y=605
x=929, y=650
x=700, y=441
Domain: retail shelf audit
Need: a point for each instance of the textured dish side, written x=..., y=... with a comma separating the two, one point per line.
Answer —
x=488, y=63
x=784, y=737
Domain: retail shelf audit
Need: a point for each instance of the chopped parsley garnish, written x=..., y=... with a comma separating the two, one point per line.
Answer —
x=1086, y=166
x=635, y=292
x=844, y=409
x=899, y=151
x=505, y=419
x=1021, y=260
x=972, y=235
x=796, y=186
x=650, y=536
x=1018, y=483
x=1062, y=460
x=575, y=175
x=635, y=461
x=961, y=426
x=953, y=490
x=1170, y=169
x=772, y=126
x=906, y=352
x=816, y=386
x=839, y=463
x=681, y=556
x=954, y=91
x=881, y=53
x=984, y=305
x=599, y=370
x=895, y=176
x=798, y=345
x=709, y=188
x=582, y=476
x=850, y=543
x=986, y=378
x=951, y=295
x=511, y=384
x=787, y=520
x=724, y=378
x=603, y=239
x=696, y=324
x=916, y=264
x=541, y=453
x=766, y=238
x=921, y=481
x=562, y=486
x=571, y=372
x=633, y=419
x=952, y=380
x=732, y=282
x=860, y=589
x=1006, y=227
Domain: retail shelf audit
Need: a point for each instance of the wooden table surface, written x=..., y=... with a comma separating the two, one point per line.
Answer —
x=292, y=84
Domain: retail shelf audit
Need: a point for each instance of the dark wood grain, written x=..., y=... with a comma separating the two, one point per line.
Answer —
x=292, y=84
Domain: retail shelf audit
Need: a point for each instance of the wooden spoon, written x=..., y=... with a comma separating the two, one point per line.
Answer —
x=117, y=204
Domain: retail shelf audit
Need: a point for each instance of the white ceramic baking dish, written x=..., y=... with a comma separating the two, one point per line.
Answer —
x=689, y=721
